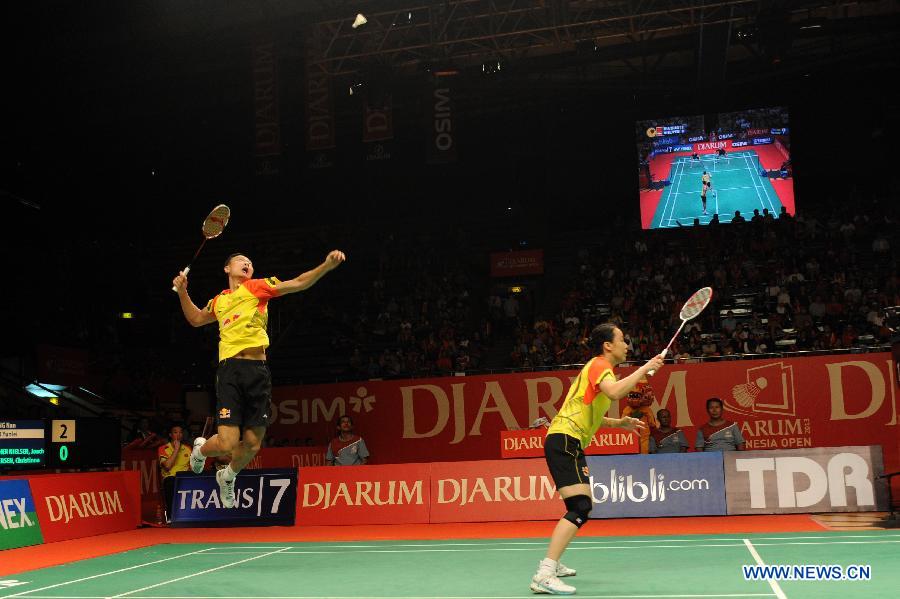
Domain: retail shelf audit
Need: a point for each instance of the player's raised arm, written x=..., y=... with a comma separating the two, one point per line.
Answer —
x=306, y=280
x=192, y=313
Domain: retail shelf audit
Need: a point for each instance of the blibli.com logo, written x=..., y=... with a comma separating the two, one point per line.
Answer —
x=622, y=488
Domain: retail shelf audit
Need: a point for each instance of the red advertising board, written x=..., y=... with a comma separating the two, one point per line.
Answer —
x=822, y=401
x=513, y=264
x=288, y=457
x=530, y=443
x=397, y=494
x=493, y=490
x=145, y=462
x=71, y=506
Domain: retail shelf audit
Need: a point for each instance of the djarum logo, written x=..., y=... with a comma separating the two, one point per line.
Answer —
x=769, y=390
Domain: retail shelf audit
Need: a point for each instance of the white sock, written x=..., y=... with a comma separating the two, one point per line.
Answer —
x=547, y=566
x=229, y=473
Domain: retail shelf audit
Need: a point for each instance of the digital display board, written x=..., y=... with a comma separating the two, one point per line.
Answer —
x=716, y=168
x=84, y=443
x=22, y=444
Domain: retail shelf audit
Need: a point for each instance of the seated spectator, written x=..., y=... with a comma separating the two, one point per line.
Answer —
x=718, y=434
x=347, y=448
x=665, y=438
x=174, y=457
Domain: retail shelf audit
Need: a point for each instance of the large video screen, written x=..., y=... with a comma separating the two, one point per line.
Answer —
x=728, y=167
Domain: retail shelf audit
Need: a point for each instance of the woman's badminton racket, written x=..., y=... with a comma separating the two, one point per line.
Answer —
x=213, y=226
x=690, y=310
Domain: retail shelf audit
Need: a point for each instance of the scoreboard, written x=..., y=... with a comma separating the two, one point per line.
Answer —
x=64, y=443
x=22, y=444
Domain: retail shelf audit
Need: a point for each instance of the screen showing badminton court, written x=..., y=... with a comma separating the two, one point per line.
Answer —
x=729, y=167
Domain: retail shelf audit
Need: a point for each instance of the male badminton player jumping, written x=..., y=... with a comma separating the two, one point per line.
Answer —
x=573, y=427
x=243, y=380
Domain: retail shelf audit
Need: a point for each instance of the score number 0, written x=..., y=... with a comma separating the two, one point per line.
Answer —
x=63, y=431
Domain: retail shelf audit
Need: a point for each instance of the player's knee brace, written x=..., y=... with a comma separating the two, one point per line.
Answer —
x=579, y=507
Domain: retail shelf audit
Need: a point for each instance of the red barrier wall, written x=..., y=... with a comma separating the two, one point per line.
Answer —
x=840, y=400
x=397, y=494
x=70, y=506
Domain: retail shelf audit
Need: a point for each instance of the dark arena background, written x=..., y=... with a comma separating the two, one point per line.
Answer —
x=502, y=176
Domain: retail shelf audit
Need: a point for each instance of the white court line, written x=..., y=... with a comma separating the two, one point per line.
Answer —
x=401, y=596
x=766, y=191
x=675, y=197
x=759, y=197
x=772, y=583
x=228, y=565
x=668, y=198
x=543, y=542
x=581, y=548
x=62, y=584
x=723, y=189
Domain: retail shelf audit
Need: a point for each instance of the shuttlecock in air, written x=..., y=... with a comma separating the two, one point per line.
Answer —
x=359, y=21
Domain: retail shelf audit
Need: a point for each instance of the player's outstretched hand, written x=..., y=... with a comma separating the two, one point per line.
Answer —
x=633, y=424
x=334, y=259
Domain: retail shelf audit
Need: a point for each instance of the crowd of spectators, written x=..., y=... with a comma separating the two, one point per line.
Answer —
x=803, y=284
x=423, y=303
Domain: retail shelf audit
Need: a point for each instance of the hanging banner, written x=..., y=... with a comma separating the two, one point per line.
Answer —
x=378, y=130
x=518, y=263
x=441, y=122
x=378, y=121
x=320, y=133
x=267, y=138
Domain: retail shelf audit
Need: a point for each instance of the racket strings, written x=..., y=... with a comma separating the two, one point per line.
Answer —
x=216, y=221
x=696, y=303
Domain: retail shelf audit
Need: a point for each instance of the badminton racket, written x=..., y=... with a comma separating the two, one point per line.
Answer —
x=690, y=310
x=213, y=226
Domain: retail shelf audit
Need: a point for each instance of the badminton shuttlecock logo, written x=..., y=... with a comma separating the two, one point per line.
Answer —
x=768, y=390
x=359, y=21
x=745, y=394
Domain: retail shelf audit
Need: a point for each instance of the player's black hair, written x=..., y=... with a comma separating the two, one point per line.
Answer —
x=236, y=254
x=603, y=333
x=712, y=400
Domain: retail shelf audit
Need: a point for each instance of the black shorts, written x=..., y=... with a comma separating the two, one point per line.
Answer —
x=243, y=393
x=565, y=459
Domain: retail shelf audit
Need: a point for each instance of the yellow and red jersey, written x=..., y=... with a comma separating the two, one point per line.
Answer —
x=182, y=460
x=243, y=315
x=585, y=406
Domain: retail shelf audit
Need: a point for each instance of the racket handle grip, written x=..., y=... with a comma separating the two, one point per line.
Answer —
x=184, y=272
x=651, y=372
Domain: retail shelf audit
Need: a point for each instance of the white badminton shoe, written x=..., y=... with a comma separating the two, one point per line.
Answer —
x=550, y=585
x=562, y=570
x=198, y=460
x=226, y=489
